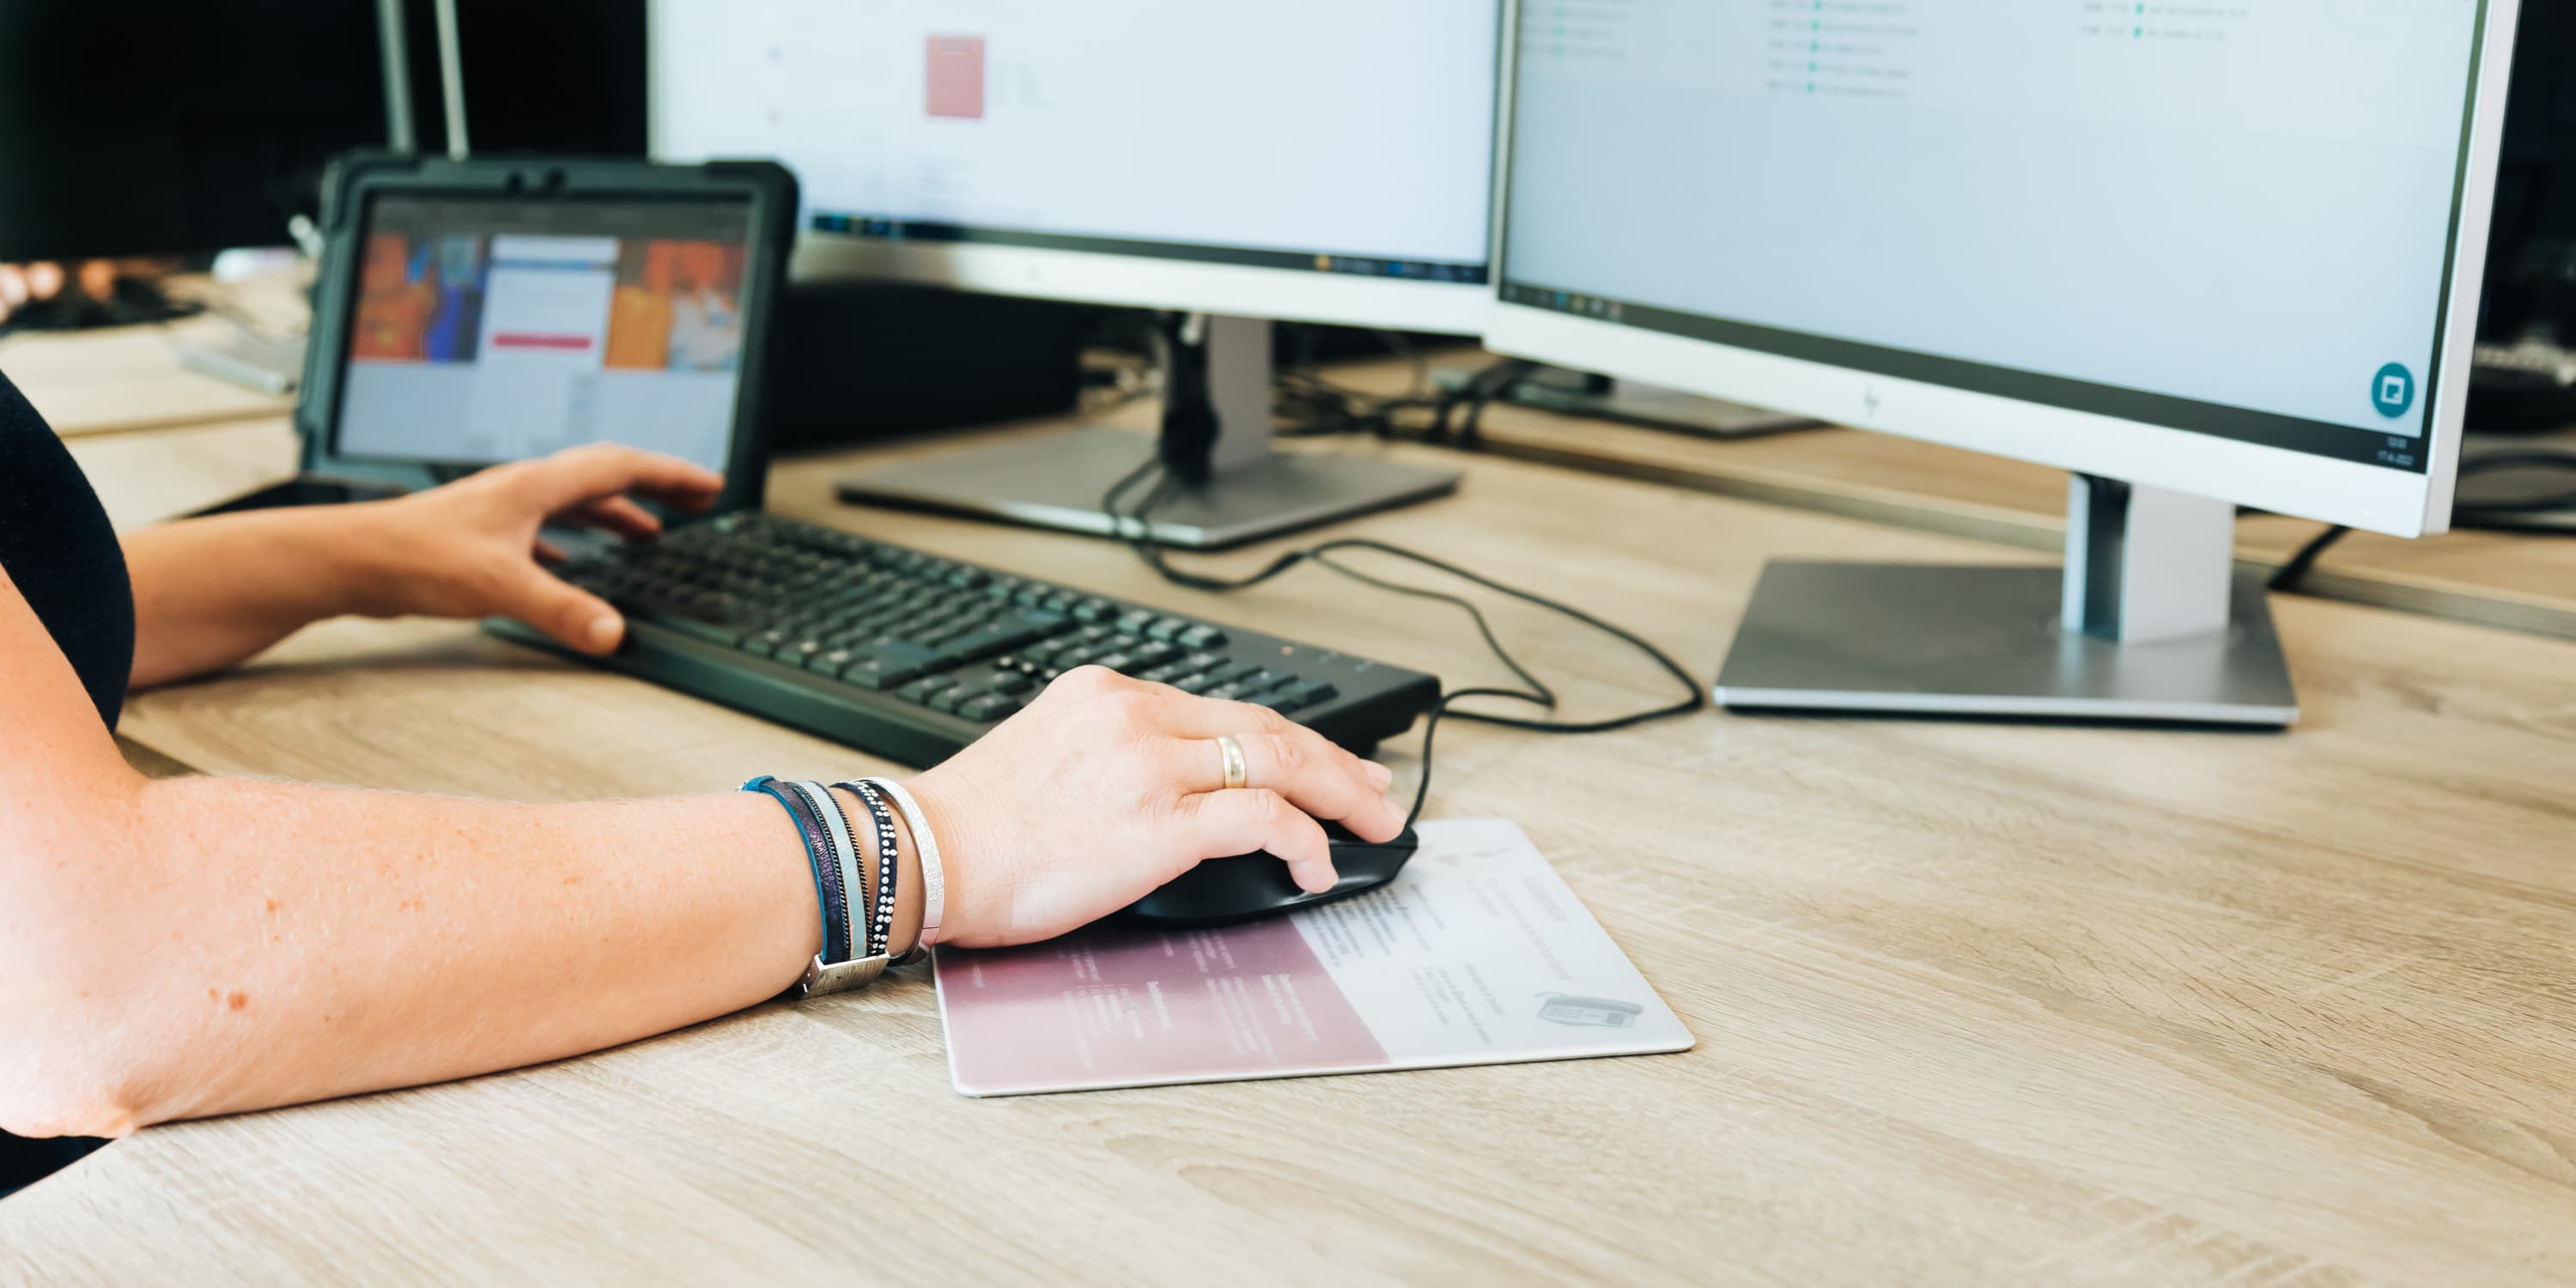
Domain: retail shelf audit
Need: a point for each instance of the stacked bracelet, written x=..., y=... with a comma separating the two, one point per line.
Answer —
x=847, y=960
x=845, y=856
x=934, y=880
x=881, y=918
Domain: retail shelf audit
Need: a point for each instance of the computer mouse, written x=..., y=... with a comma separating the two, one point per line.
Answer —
x=1223, y=891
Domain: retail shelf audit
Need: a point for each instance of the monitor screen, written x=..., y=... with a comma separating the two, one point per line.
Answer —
x=1338, y=136
x=2230, y=218
x=489, y=330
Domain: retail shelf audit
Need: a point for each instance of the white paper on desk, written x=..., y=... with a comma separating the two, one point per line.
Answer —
x=1477, y=954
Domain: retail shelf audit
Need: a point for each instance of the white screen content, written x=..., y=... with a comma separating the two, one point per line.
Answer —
x=2240, y=202
x=1341, y=127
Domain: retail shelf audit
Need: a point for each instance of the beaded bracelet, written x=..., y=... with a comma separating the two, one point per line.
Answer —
x=934, y=880
x=881, y=919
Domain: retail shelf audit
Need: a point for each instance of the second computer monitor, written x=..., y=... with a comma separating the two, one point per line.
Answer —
x=1327, y=161
x=2201, y=255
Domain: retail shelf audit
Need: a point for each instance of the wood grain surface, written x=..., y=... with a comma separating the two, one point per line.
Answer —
x=1976, y=1003
x=123, y=379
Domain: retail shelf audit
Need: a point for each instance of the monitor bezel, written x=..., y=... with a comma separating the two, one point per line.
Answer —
x=2378, y=498
x=1153, y=282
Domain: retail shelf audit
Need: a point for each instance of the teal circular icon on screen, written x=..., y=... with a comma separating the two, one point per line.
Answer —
x=2392, y=391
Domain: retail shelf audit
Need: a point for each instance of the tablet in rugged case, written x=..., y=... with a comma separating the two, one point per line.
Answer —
x=474, y=312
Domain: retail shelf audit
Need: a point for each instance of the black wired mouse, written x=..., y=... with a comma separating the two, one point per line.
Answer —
x=1222, y=891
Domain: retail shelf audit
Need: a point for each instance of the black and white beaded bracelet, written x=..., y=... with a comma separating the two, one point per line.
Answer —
x=881, y=916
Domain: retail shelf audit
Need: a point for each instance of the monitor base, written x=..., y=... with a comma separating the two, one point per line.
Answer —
x=1897, y=639
x=1058, y=480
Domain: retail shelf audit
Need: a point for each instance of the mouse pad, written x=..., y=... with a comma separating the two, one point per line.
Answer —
x=1477, y=954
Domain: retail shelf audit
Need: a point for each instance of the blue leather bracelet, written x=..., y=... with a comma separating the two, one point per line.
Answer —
x=829, y=893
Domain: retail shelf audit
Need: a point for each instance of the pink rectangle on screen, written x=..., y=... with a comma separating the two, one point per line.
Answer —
x=1120, y=1005
x=956, y=77
x=534, y=340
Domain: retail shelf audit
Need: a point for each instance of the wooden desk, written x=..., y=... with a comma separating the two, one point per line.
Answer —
x=130, y=378
x=2517, y=581
x=1976, y=1003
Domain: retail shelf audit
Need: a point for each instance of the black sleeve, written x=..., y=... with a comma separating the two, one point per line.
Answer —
x=56, y=545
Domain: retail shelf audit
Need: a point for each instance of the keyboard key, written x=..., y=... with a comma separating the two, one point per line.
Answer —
x=989, y=640
x=1011, y=682
x=1164, y=674
x=1094, y=609
x=883, y=666
x=1313, y=693
x=1201, y=636
x=921, y=690
x=831, y=662
x=1199, y=684
x=1121, y=662
x=690, y=624
x=991, y=706
x=948, y=698
x=1134, y=623
x=1238, y=672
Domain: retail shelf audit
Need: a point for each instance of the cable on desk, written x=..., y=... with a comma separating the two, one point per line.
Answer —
x=2290, y=574
x=1135, y=528
x=1316, y=407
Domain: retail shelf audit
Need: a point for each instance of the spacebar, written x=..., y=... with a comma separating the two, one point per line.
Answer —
x=657, y=615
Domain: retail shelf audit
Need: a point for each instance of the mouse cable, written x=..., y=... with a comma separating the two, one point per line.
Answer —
x=2290, y=574
x=1134, y=527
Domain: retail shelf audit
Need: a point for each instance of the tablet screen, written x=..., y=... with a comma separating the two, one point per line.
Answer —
x=491, y=329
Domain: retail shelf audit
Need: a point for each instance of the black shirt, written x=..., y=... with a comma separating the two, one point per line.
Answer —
x=56, y=545
x=59, y=550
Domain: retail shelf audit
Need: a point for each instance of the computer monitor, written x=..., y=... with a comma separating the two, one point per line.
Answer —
x=2200, y=256
x=1330, y=161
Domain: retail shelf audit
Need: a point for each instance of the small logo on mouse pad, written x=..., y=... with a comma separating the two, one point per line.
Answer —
x=1588, y=1012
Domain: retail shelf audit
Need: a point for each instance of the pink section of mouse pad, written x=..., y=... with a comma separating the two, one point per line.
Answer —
x=956, y=76
x=1477, y=954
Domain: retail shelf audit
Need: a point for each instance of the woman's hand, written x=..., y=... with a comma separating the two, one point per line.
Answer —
x=1107, y=787
x=470, y=548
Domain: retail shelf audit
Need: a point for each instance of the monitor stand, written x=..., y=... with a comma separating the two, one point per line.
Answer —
x=1216, y=439
x=2148, y=622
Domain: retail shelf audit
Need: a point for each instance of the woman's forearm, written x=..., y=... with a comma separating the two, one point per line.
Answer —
x=242, y=944
x=210, y=592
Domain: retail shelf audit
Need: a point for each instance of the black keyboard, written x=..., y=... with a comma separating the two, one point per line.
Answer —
x=912, y=656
